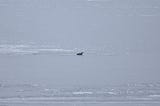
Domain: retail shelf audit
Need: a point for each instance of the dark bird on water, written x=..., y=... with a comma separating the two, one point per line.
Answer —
x=80, y=53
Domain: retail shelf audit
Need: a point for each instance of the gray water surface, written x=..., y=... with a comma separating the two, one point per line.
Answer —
x=39, y=40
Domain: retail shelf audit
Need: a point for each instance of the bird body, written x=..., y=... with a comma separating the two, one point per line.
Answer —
x=80, y=53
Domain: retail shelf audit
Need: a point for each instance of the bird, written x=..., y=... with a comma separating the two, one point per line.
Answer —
x=80, y=53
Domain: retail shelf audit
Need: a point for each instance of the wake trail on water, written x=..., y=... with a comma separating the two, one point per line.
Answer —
x=21, y=49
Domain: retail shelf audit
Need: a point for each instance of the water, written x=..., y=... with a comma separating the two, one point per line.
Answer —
x=35, y=49
x=61, y=66
x=144, y=94
x=25, y=59
x=47, y=75
x=39, y=40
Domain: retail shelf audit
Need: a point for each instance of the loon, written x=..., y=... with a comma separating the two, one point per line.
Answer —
x=80, y=53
